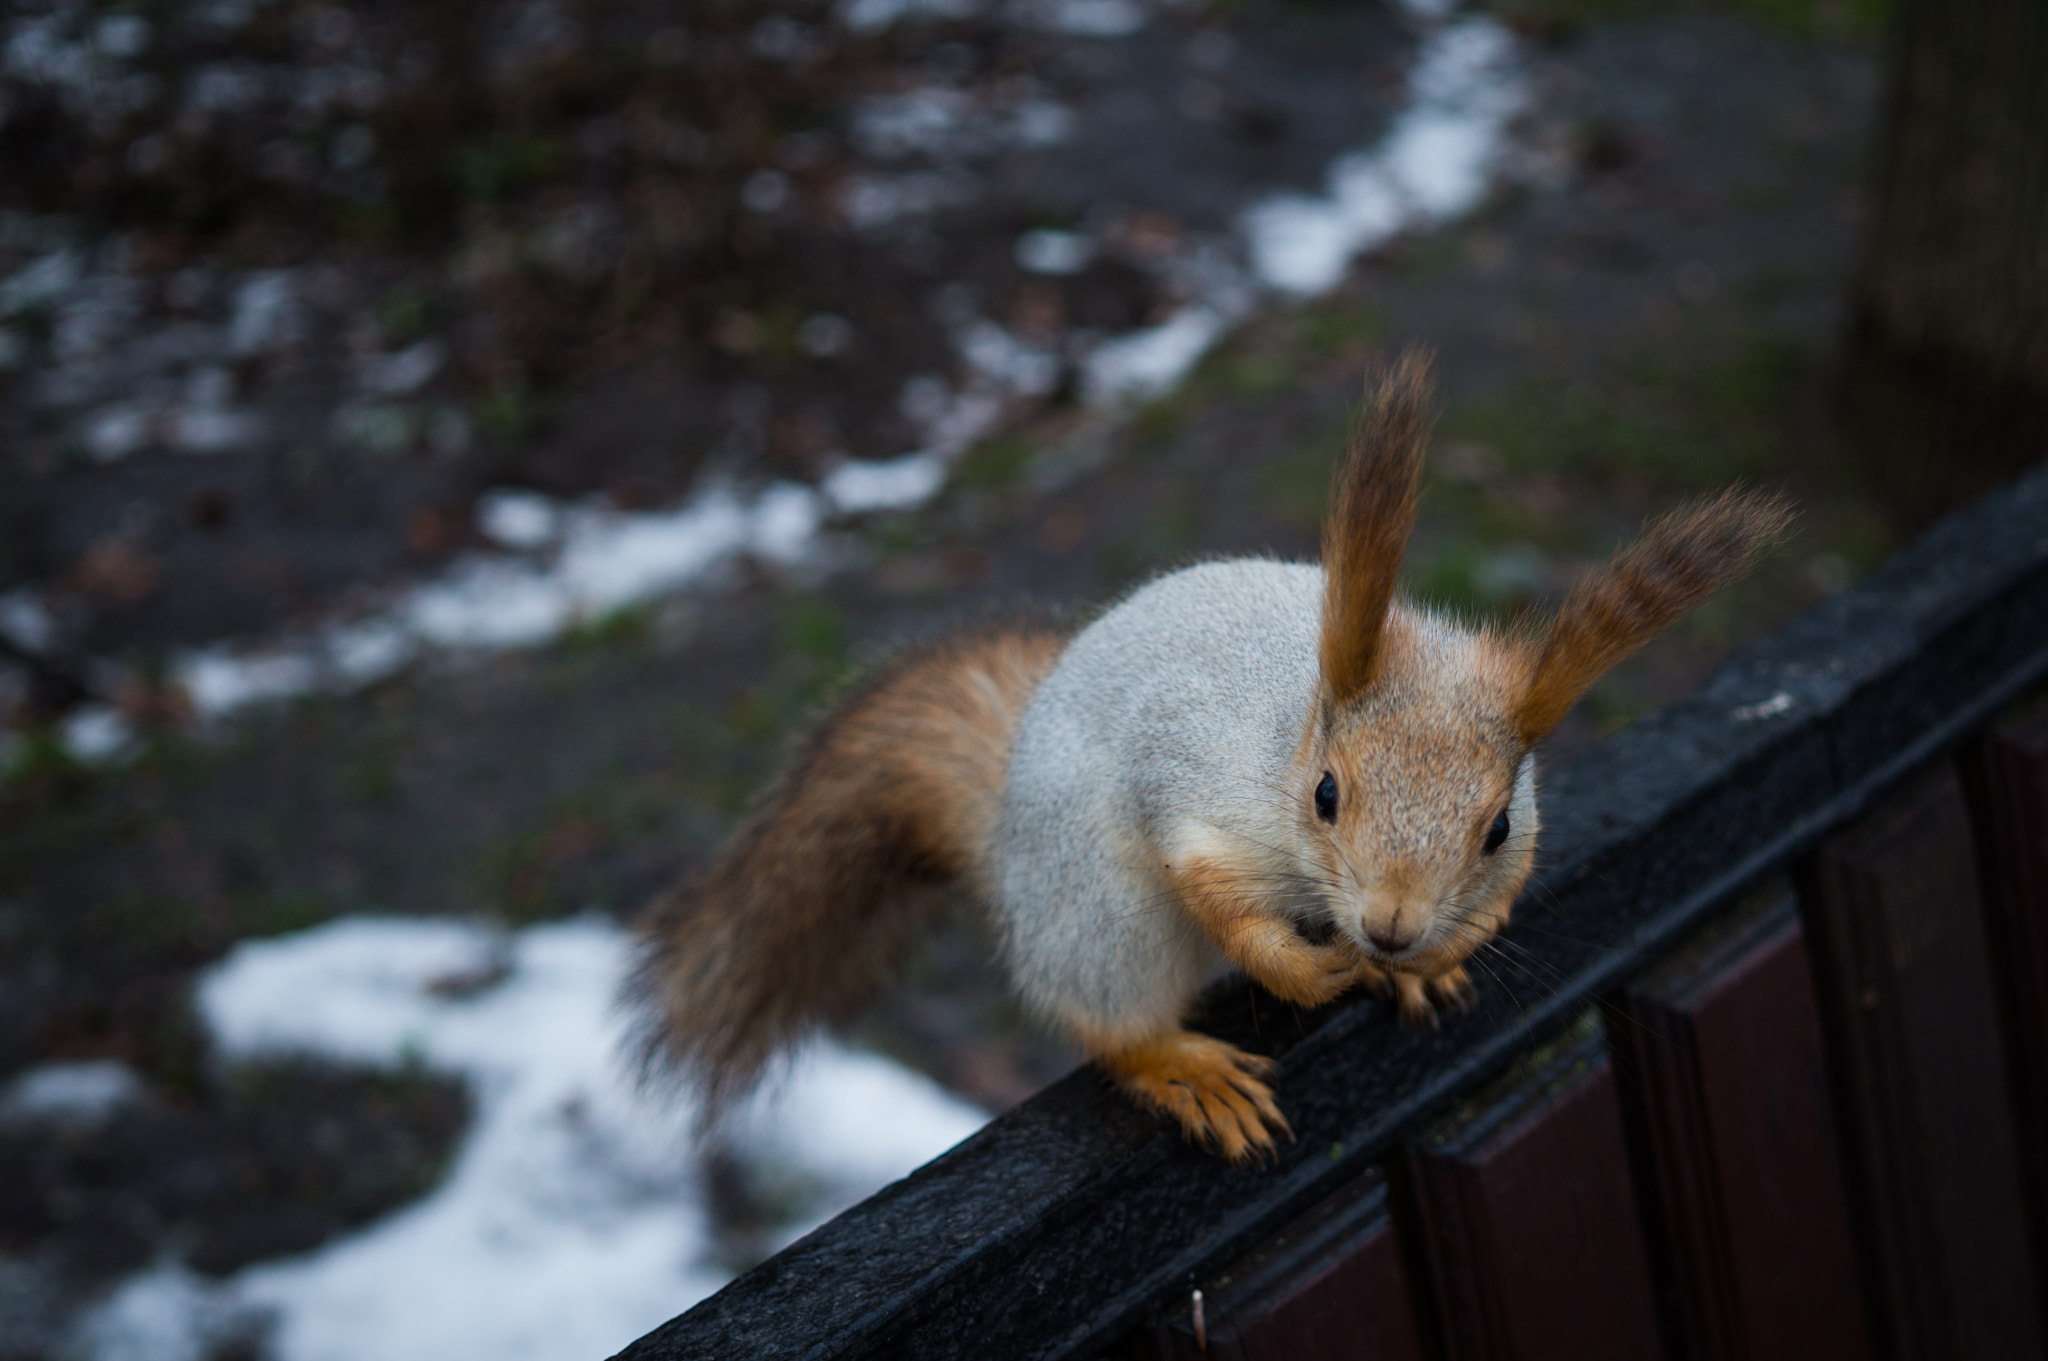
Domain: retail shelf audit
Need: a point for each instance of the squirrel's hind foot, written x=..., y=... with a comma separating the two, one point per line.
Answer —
x=1215, y=1090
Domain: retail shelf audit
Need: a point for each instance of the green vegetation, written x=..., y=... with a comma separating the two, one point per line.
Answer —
x=1852, y=20
x=493, y=171
x=1667, y=425
x=406, y=314
x=504, y=412
x=995, y=464
x=625, y=630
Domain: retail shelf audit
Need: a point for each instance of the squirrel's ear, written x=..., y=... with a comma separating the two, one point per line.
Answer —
x=1372, y=510
x=1678, y=561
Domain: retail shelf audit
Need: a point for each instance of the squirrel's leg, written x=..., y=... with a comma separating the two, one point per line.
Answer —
x=1215, y=1090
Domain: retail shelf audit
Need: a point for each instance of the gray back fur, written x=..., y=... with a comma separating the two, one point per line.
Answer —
x=1183, y=705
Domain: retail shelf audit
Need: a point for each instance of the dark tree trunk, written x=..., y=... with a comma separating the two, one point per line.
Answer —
x=1945, y=386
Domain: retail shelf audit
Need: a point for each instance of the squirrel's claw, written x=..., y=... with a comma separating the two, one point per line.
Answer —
x=1456, y=987
x=1420, y=997
x=1215, y=1090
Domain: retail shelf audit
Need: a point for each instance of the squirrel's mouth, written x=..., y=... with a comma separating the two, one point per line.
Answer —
x=1316, y=930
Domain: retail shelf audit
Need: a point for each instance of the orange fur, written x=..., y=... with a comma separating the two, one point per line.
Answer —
x=1235, y=915
x=1372, y=510
x=808, y=905
x=1421, y=748
x=1679, y=560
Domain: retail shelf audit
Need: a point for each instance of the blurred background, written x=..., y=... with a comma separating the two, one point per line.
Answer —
x=447, y=448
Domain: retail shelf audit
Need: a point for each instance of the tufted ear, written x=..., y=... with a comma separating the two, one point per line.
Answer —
x=1372, y=510
x=1677, y=562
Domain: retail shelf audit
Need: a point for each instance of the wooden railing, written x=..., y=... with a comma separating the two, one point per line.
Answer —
x=1762, y=1071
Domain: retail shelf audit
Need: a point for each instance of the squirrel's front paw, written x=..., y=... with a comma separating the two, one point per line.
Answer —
x=1309, y=975
x=1215, y=1090
x=1420, y=997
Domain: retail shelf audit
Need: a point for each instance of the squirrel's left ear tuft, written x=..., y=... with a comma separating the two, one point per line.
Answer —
x=1679, y=560
x=1372, y=511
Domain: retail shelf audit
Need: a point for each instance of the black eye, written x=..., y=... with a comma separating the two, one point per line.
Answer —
x=1326, y=798
x=1497, y=833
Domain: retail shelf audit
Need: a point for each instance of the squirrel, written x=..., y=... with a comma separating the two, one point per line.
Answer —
x=1279, y=767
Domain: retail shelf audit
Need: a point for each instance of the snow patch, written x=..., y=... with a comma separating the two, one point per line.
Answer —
x=72, y=1094
x=165, y=1314
x=1435, y=163
x=95, y=733
x=858, y=485
x=1081, y=18
x=1047, y=251
x=574, y=1218
x=1141, y=365
x=25, y=620
x=867, y=15
x=266, y=313
x=518, y=519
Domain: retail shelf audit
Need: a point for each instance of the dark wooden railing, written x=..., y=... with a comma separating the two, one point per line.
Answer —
x=1762, y=1071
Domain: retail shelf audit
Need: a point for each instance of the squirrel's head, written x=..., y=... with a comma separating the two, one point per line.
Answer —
x=1418, y=786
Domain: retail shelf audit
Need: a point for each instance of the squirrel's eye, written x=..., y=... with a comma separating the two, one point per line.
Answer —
x=1326, y=798
x=1497, y=833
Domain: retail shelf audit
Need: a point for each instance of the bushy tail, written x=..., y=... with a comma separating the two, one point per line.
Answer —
x=806, y=908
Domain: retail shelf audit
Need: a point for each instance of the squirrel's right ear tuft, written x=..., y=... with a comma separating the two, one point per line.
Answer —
x=1372, y=511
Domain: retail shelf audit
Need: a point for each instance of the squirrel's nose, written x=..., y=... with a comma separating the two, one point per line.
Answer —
x=1390, y=939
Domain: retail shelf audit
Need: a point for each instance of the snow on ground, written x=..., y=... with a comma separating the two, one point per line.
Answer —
x=1435, y=163
x=76, y=1093
x=573, y=1218
x=569, y=563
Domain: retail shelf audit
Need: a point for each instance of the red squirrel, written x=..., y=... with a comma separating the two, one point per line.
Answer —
x=1273, y=766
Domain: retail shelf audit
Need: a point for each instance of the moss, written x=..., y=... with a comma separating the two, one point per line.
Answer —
x=505, y=414
x=1337, y=326
x=898, y=536
x=370, y=775
x=1294, y=485
x=1838, y=19
x=495, y=170
x=814, y=630
x=404, y=315
x=1670, y=425
x=1853, y=20
x=278, y=914
x=997, y=464
x=624, y=630
x=1160, y=421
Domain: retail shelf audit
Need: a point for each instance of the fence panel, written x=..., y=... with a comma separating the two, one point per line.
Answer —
x=1723, y=1067
x=2006, y=776
x=1329, y=1287
x=1908, y=991
x=1526, y=1214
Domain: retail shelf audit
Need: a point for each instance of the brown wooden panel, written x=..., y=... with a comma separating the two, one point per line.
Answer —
x=1329, y=1287
x=1727, y=1078
x=2006, y=775
x=1526, y=1216
x=1905, y=982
